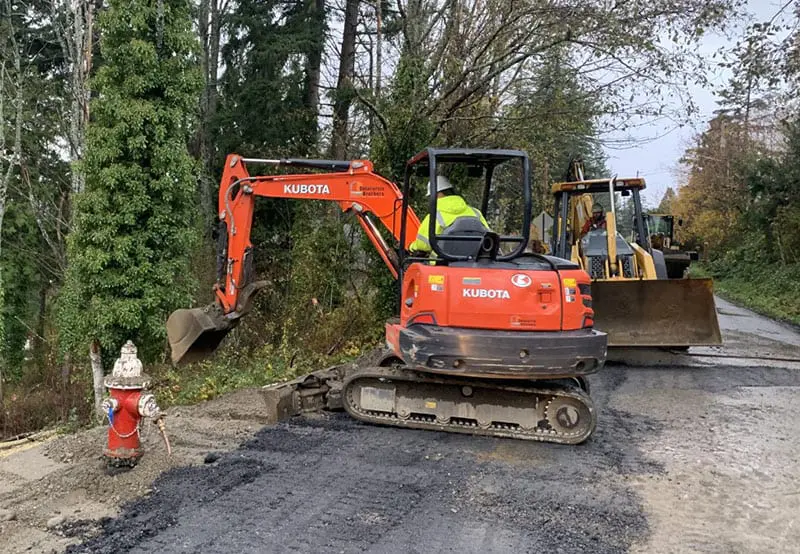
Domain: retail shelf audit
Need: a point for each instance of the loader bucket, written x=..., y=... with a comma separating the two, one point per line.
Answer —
x=195, y=333
x=665, y=313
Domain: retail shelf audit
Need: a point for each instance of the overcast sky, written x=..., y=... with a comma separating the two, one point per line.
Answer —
x=661, y=145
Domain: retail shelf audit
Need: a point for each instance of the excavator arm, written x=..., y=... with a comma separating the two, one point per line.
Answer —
x=353, y=185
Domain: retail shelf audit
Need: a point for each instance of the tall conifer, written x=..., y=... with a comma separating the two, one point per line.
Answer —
x=133, y=225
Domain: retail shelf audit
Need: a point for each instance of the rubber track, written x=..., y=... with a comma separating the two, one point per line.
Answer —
x=539, y=392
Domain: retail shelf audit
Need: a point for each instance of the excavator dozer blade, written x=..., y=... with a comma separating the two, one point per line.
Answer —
x=196, y=333
x=664, y=313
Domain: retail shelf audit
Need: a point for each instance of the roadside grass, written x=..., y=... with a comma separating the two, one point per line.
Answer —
x=227, y=371
x=772, y=290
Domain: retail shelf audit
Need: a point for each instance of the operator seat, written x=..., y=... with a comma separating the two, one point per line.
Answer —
x=464, y=226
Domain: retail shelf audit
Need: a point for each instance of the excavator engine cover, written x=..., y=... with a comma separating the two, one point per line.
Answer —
x=674, y=313
x=195, y=333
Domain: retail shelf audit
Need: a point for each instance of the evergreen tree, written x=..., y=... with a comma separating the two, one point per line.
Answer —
x=32, y=175
x=667, y=201
x=266, y=102
x=133, y=230
x=269, y=107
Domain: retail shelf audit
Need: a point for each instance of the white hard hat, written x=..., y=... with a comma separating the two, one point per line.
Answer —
x=442, y=183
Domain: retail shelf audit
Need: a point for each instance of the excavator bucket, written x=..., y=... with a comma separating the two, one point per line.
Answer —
x=195, y=333
x=665, y=313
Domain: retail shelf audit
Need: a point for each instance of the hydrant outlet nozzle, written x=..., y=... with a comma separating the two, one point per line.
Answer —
x=163, y=428
x=148, y=407
x=110, y=405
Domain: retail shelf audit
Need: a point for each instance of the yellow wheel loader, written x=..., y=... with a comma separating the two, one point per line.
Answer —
x=634, y=301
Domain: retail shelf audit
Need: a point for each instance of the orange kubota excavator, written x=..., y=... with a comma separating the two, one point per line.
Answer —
x=490, y=339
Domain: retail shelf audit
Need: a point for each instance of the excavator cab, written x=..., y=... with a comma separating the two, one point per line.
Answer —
x=482, y=176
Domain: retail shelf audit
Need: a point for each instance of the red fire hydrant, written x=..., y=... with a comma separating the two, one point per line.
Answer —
x=127, y=405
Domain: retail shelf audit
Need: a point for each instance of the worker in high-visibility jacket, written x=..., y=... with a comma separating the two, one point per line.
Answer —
x=449, y=208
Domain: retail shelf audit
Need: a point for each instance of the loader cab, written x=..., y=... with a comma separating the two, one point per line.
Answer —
x=496, y=182
x=568, y=197
x=660, y=229
x=605, y=253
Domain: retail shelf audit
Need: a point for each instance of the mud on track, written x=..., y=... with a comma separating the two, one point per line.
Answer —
x=331, y=484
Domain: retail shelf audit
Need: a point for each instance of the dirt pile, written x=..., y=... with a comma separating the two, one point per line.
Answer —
x=57, y=493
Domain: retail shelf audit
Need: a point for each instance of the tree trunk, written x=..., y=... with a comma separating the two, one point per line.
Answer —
x=77, y=43
x=66, y=367
x=344, y=84
x=8, y=163
x=97, y=377
x=210, y=26
x=378, y=46
x=314, y=67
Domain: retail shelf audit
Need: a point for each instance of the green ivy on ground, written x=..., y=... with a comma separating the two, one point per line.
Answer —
x=772, y=290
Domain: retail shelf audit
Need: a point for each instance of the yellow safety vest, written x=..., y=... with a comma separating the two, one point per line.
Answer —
x=448, y=209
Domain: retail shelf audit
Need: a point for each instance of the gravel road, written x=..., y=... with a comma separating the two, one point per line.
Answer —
x=685, y=459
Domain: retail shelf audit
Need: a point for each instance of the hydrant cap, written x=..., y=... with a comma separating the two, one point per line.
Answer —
x=128, y=364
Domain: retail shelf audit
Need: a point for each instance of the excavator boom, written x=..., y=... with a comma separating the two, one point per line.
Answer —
x=353, y=185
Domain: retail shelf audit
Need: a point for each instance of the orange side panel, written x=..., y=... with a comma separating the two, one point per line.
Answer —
x=503, y=299
x=577, y=306
x=393, y=337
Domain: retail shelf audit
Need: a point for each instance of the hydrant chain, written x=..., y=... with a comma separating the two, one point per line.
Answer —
x=121, y=435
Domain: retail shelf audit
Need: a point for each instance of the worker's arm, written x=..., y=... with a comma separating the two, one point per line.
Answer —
x=586, y=227
x=422, y=243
